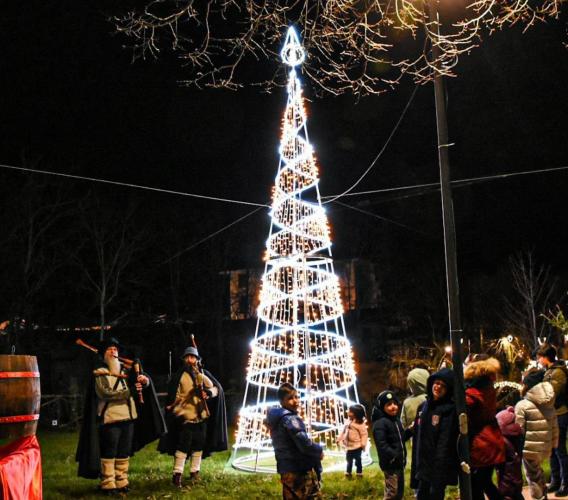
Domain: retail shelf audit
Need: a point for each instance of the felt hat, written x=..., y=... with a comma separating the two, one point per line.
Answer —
x=109, y=342
x=191, y=350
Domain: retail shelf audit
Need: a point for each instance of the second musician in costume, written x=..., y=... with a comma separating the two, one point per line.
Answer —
x=196, y=417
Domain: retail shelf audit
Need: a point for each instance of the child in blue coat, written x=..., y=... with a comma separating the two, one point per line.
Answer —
x=298, y=458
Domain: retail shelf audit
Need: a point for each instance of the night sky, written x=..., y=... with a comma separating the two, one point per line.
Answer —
x=70, y=94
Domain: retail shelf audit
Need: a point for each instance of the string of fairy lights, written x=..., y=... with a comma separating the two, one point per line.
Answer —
x=300, y=336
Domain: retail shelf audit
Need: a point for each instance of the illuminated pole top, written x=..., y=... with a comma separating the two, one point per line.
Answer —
x=292, y=53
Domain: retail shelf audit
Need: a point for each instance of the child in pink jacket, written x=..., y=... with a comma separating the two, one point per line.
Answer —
x=354, y=437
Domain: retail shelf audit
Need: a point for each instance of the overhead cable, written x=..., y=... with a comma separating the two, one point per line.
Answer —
x=377, y=216
x=208, y=237
x=456, y=183
x=137, y=186
x=373, y=163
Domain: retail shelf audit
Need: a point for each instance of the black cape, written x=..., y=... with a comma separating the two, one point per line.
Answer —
x=216, y=438
x=148, y=427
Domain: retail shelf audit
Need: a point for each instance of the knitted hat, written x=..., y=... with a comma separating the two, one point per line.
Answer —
x=507, y=424
x=386, y=397
x=533, y=377
x=191, y=350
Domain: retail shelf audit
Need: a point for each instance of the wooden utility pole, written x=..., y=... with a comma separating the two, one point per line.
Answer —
x=456, y=332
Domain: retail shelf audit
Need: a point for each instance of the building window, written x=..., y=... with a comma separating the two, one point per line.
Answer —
x=243, y=280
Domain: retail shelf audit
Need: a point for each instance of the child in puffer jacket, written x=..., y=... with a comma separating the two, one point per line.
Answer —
x=509, y=474
x=536, y=416
x=354, y=437
x=389, y=439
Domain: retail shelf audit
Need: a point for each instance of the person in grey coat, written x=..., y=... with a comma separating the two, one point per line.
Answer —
x=416, y=381
x=536, y=416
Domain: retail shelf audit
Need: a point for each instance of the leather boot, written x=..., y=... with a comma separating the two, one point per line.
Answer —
x=108, y=480
x=121, y=474
x=176, y=480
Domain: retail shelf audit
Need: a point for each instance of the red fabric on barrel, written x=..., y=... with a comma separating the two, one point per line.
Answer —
x=20, y=470
x=19, y=374
x=18, y=418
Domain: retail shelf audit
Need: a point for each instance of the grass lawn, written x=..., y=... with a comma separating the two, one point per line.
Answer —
x=150, y=475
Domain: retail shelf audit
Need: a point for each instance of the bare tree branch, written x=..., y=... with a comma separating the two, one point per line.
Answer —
x=362, y=47
x=108, y=250
x=533, y=289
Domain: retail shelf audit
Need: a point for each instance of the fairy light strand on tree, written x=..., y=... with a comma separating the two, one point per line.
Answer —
x=300, y=335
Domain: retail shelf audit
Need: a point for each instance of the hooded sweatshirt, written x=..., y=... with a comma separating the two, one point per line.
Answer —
x=416, y=382
x=536, y=416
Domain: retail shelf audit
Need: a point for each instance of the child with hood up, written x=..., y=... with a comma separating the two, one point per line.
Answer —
x=436, y=434
x=536, y=416
x=416, y=381
x=389, y=439
x=509, y=474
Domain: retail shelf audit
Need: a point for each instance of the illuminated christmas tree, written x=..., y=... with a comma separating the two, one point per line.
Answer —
x=300, y=334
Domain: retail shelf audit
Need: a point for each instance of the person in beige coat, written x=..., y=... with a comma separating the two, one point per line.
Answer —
x=536, y=416
x=116, y=412
x=188, y=393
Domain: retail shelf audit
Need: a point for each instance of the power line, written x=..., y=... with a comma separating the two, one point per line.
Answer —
x=457, y=183
x=203, y=240
x=377, y=216
x=137, y=186
x=387, y=142
x=329, y=198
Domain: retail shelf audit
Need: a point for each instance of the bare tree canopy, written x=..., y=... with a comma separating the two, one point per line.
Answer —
x=362, y=47
x=534, y=289
x=110, y=244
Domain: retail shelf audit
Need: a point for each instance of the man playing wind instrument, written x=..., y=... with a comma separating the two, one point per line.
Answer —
x=121, y=416
x=195, y=423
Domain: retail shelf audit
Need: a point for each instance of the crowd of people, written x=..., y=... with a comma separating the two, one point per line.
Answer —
x=122, y=415
x=503, y=442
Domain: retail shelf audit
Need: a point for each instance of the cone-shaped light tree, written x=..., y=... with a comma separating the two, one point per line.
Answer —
x=300, y=335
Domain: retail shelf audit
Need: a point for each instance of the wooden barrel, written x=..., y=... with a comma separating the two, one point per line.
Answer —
x=20, y=396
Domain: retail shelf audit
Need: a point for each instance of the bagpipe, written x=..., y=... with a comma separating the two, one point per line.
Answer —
x=133, y=366
x=200, y=388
